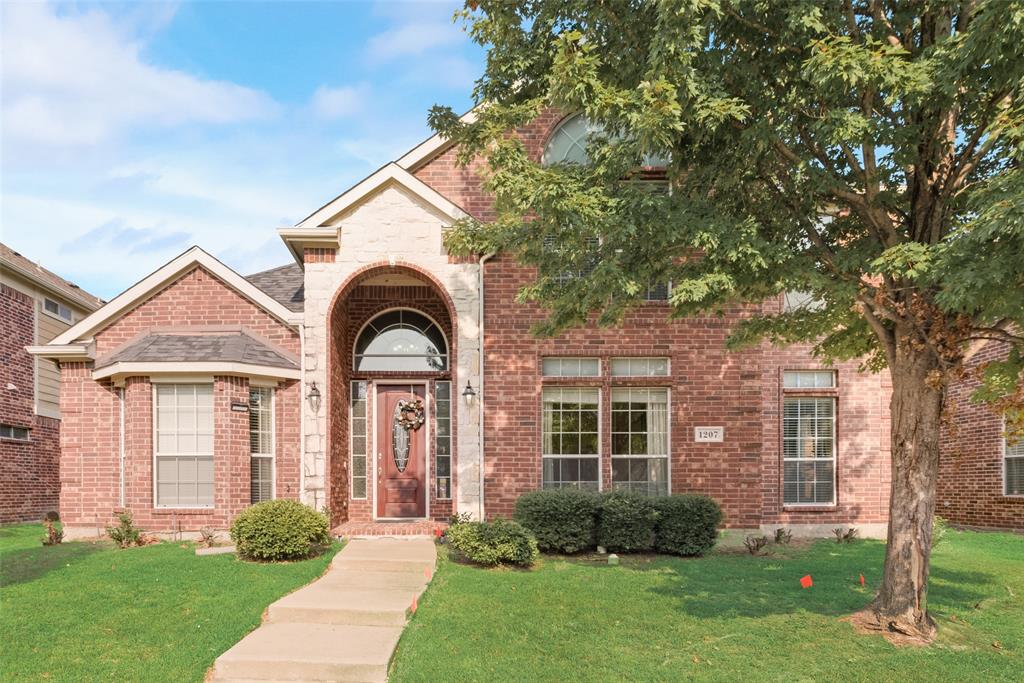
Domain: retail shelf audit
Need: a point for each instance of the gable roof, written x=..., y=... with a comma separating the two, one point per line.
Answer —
x=128, y=299
x=419, y=155
x=47, y=279
x=286, y=284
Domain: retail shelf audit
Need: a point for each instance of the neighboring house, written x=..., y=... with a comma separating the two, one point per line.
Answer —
x=35, y=306
x=381, y=378
x=981, y=471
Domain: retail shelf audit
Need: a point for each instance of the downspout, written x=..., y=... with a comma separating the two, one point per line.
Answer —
x=302, y=411
x=480, y=407
x=120, y=401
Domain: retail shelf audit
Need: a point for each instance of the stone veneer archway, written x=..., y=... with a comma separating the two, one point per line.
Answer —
x=367, y=293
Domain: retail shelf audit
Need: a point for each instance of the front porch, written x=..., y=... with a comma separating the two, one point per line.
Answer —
x=408, y=529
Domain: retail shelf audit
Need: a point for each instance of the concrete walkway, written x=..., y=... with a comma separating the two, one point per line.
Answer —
x=342, y=627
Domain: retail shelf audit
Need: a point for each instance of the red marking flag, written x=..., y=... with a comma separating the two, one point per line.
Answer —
x=806, y=581
x=438, y=532
x=412, y=607
x=426, y=573
x=862, y=579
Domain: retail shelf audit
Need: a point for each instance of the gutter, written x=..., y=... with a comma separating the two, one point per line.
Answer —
x=120, y=396
x=480, y=407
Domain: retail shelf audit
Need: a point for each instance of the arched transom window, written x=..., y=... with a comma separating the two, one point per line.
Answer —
x=401, y=340
x=568, y=143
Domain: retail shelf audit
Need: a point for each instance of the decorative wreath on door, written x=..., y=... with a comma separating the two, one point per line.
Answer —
x=409, y=414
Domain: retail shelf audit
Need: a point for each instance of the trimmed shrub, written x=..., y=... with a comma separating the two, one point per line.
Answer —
x=563, y=520
x=489, y=543
x=280, y=530
x=626, y=522
x=687, y=524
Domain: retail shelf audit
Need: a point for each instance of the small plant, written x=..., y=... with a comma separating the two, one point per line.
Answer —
x=783, y=536
x=846, y=535
x=459, y=518
x=501, y=541
x=280, y=530
x=208, y=536
x=125, y=534
x=940, y=527
x=755, y=544
x=53, y=534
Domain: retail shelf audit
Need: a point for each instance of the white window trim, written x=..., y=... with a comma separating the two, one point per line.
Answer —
x=834, y=459
x=70, y=320
x=156, y=505
x=572, y=377
x=447, y=355
x=28, y=434
x=668, y=434
x=810, y=371
x=1006, y=459
x=600, y=434
x=451, y=459
x=611, y=367
x=366, y=442
x=272, y=456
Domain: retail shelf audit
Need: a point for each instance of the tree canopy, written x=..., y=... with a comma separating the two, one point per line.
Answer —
x=864, y=152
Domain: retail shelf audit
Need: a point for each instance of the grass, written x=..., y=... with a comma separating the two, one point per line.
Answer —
x=725, y=617
x=83, y=611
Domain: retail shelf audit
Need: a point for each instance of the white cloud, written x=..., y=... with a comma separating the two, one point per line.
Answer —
x=413, y=39
x=90, y=83
x=330, y=103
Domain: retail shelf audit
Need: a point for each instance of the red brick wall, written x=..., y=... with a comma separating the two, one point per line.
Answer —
x=196, y=298
x=90, y=461
x=29, y=471
x=970, y=489
x=708, y=386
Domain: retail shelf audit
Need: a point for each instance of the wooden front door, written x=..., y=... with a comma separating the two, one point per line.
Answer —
x=401, y=452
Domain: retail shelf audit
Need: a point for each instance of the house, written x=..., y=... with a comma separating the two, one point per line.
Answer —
x=393, y=384
x=981, y=469
x=35, y=306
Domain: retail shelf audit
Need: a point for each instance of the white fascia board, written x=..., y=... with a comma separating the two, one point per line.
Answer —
x=297, y=239
x=390, y=174
x=127, y=299
x=432, y=146
x=131, y=369
x=65, y=352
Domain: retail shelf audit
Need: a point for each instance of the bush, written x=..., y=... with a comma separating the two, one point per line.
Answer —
x=280, y=530
x=125, y=534
x=626, y=522
x=489, y=543
x=53, y=535
x=687, y=524
x=563, y=521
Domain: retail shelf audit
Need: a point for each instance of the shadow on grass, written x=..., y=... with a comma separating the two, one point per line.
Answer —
x=28, y=564
x=727, y=585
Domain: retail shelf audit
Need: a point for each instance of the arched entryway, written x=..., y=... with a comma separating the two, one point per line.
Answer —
x=391, y=447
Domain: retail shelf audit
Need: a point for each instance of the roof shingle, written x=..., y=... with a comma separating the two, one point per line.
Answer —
x=237, y=347
x=285, y=284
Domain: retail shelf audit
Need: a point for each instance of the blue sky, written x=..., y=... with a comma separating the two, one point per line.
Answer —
x=131, y=131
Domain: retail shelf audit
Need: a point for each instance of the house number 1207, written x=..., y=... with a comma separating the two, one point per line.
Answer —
x=708, y=434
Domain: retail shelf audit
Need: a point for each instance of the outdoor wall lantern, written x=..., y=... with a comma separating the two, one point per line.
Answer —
x=469, y=393
x=314, y=398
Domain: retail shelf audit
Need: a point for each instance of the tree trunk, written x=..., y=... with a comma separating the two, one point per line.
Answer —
x=901, y=606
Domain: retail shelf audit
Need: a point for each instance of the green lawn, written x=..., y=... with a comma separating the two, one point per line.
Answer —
x=89, y=612
x=726, y=617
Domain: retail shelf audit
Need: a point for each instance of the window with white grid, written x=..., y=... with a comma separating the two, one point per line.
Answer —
x=569, y=436
x=443, y=439
x=1013, y=465
x=183, y=444
x=640, y=440
x=357, y=437
x=808, y=449
x=639, y=367
x=261, y=444
x=570, y=367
